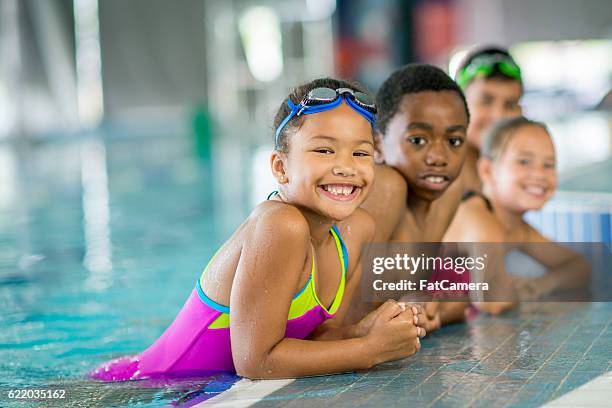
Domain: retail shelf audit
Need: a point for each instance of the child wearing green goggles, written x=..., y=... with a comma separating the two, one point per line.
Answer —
x=493, y=87
x=486, y=65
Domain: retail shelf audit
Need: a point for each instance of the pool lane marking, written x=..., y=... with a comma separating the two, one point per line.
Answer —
x=595, y=393
x=245, y=393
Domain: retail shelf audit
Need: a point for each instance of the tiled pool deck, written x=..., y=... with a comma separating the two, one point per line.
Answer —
x=524, y=359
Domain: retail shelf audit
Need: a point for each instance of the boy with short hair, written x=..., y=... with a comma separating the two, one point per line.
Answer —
x=493, y=87
x=421, y=137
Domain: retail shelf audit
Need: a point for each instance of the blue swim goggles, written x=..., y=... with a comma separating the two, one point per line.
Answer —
x=322, y=99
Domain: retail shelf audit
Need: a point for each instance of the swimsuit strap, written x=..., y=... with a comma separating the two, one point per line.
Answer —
x=471, y=193
x=342, y=253
x=343, y=256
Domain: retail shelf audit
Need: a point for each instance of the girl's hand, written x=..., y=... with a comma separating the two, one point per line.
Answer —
x=393, y=333
x=363, y=327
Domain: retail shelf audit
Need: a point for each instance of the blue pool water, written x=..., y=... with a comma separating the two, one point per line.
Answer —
x=100, y=244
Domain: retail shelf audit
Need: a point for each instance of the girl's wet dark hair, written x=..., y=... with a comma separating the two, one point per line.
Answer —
x=296, y=96
x=496, y=139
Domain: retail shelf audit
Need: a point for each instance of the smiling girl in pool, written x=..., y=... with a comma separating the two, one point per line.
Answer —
x=518, y=172
x=262, y=306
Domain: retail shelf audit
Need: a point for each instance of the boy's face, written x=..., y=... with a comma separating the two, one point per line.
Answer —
x=489, y=101
x=425, y=141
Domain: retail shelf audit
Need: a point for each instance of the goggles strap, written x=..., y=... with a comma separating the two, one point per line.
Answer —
x=294, y=110
x=303, y=109
x=363, y=112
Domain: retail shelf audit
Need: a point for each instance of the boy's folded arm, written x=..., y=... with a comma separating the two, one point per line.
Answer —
x=386, y=202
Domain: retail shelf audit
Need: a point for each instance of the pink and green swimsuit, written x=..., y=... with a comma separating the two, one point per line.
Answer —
x=198, y=341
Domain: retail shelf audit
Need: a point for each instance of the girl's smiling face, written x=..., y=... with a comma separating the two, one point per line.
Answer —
x=524, y=175
x=329, y=166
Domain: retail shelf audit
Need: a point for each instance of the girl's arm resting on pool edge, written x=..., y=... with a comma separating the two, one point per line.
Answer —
x=566, y=269
x=393, y=336
x=334, y=329
x=262, y=290
x=501, y=296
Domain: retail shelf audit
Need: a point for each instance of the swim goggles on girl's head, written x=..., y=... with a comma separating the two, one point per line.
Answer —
x=322, y=99
x=485, y=65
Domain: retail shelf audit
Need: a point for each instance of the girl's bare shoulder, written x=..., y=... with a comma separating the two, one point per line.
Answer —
x=478, y=222
x=279, y=219
x=359, y=226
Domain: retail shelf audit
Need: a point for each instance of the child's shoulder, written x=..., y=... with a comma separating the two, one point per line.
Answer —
x=479, y=222
x=360, y=225
x=280, y=219
x=475, y=206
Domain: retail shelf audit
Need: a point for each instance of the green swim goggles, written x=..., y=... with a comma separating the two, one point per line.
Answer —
x=485, y=65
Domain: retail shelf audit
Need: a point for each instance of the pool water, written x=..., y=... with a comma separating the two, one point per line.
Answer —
x=101, y=242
